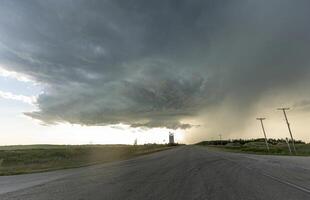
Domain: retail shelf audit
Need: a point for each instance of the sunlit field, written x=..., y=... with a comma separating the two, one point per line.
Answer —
x=38, y=158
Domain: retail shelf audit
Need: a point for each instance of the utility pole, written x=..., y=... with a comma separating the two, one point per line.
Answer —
x=289, y=127
x=261, y=122
x=221, y=138
x=288, y=144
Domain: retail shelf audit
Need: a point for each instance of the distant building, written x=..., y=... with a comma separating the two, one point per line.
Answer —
x=171, y=138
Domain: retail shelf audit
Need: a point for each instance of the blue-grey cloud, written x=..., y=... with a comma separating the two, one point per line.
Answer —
x=152, y=63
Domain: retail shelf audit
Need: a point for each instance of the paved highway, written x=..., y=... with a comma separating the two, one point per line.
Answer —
x=187, y=172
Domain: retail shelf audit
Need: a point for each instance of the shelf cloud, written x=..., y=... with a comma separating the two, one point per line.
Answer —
x=154, y=63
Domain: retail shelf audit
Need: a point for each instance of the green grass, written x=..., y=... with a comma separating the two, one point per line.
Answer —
x=260, y=148
x=38, y=158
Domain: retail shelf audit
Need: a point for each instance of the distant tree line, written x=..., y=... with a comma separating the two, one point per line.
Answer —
x=245, y=141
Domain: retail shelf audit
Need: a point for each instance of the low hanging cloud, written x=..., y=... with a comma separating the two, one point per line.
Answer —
x=303, y=104
x=151, y=63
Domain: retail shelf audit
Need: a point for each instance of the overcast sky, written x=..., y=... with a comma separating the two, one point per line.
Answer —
x=200, y=67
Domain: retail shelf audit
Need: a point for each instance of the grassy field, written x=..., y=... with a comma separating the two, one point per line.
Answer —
x=260, y=148
x=38, y=158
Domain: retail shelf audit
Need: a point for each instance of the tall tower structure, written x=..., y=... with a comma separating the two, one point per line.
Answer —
x=171, y=138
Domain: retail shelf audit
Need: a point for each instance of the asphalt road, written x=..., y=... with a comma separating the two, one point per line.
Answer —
x=187, y=172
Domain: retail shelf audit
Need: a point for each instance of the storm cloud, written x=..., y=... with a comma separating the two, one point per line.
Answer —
x=154, y=63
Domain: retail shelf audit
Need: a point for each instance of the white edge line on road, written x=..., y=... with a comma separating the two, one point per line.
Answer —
x=286, y=182
x=270, y=176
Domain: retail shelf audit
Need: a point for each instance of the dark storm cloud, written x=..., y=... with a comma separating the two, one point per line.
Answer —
x=153, y=63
